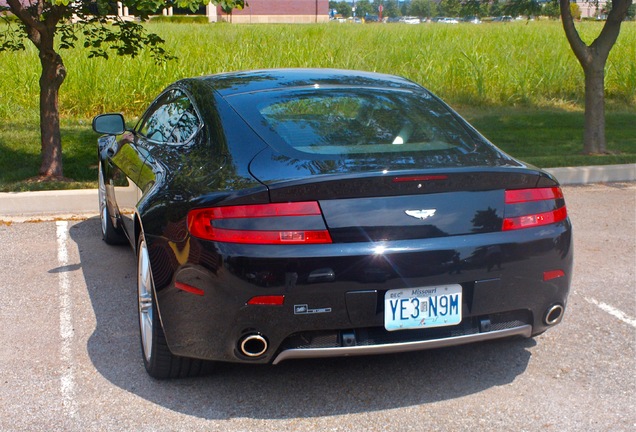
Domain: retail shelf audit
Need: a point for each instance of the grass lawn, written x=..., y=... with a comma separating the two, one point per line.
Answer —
x=518, y=83
x=549, y=139
x=20, y=156
x=546, y=138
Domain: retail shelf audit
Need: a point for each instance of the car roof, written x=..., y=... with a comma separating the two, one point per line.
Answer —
x=228, y=84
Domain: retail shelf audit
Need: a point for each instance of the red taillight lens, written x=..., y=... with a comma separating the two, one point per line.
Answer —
x=277, y=223
x=309, y=208
x=528, y=208
x=538, y=194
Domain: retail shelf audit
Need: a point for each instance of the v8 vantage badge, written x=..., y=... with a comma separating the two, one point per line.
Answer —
x=304, y=309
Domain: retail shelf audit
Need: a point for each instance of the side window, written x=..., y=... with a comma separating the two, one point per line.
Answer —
x=173, y=120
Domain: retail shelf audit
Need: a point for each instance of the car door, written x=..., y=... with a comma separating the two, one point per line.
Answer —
x=133, y=163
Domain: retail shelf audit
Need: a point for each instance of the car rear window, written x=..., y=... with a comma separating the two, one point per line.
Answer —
x=354, y=121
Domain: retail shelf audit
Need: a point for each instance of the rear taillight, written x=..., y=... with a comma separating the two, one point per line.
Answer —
x=528, y=208
x=277, y=223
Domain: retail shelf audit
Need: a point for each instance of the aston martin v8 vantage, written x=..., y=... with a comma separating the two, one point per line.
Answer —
x=304, y=213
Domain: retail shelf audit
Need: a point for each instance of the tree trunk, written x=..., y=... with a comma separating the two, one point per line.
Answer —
x=40, y=19
x=594, y=131
x=53, y=74
x=593, y=59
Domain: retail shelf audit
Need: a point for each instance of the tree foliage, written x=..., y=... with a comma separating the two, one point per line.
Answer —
x=522, y=7
x=451, y=8
x=471, y=8
x=391, y=9
x=53, y=25
x=551, y=9
x=364, y=8
x=342, y=8
x=103, y=32
x=423, y=8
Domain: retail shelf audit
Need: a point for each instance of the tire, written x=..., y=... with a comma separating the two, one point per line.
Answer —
x=111, y=234
x=159, y=362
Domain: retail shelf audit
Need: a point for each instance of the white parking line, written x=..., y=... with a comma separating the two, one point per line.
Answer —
x=612, y=311
x=67, y=372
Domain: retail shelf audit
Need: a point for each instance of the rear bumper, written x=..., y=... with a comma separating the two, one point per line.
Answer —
x=501, y=274
x=300, y=353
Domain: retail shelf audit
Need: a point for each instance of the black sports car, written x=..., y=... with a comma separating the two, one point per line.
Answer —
x=283, y=214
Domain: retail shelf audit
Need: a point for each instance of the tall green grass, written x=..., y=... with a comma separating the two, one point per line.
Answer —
x=518, y=82
x=523, y=64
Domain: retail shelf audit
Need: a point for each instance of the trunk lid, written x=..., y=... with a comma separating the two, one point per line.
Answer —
x=399, y=205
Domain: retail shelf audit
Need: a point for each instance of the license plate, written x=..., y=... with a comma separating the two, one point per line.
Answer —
x=427, y=307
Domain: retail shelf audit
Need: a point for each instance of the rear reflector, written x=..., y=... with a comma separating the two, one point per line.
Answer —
x=271, y=300
x=533, y=199
x=553, y=274
x=252, y=224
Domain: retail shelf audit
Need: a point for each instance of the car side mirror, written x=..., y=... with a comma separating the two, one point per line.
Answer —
x=110, y=124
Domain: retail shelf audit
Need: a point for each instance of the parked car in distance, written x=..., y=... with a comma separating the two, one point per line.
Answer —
x=446, y=20
x=472, y=20
x=307, y=213
x=410, y=20
x=504, y=18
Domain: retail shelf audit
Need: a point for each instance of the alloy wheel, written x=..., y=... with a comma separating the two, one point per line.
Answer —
x=145, y=293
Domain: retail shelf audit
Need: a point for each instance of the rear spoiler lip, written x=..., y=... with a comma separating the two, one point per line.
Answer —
x=522, y=170
x=381, y=183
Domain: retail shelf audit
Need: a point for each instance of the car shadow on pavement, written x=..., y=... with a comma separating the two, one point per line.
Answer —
x=302, y=388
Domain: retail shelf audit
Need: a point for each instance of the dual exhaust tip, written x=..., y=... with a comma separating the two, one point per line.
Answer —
x=253, y=345
x=553, y=315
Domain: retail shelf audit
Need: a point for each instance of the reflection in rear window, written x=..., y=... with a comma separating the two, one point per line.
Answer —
x=359, y=121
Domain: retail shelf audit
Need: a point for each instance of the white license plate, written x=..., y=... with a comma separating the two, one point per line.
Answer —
x=417, y=308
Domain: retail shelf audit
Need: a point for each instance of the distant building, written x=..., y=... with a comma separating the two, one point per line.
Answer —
x=279, y=11
x=257, y=11
x=267, y=11
x=591, y=9
x=3, y=3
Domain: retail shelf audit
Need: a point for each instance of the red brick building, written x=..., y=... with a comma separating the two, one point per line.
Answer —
x=257, y=11
x=279, y=11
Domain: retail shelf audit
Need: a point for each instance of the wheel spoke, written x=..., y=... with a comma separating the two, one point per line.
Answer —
x=144, y=295
x=101, y=190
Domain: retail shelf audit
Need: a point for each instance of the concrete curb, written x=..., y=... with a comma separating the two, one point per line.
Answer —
x=48, y=205
x=593, y=174
x=82, y=203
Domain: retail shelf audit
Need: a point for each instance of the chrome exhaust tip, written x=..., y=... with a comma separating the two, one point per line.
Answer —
x=253, y=345
x=553, y=315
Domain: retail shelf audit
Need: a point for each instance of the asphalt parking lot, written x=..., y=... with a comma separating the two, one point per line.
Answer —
x=70, y=356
